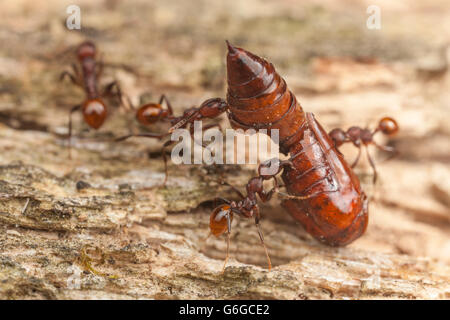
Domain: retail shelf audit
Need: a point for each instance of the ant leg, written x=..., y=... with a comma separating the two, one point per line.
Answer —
x=261, y=236
x=108, y=91
x=127, y=107
x=384, y=148
x=130, y=103
x=100, y=65
x=147, y=135
x=169, y=106
x=166, y=169
x=266, y=196
x=294, y=197
x=372, y=164
x=228, y=241
x=357, y=157
x=184, y=120
x=76, y=70
x=74, y=109
x=196, y=113
x=222, y=199
x=276, y=189
x=72, y=78
x=393, y=152
x=108, y=88
x=232, y=188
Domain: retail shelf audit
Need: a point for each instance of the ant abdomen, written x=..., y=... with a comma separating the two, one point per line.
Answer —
x=388, y=126
x=334, y=210
x=218, y=222
x=258, y=97
x=94, y=112
x=149, y=114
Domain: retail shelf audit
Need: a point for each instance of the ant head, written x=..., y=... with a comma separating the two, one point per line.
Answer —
x=149, y=113
x=94, y=112
x=338, y=136
x=211, y=108
x=86, y=49
x=388, y=126
x=218, y=222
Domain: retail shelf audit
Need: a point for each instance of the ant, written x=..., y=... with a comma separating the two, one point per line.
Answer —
x=247, y=207
x=152, y=113
x=364, y=137
x=93, y=108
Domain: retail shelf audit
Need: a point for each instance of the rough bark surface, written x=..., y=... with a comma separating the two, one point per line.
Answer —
x=100, y=225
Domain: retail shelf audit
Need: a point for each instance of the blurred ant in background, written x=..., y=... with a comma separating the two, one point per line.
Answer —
x=93, y=108
x=364, y=137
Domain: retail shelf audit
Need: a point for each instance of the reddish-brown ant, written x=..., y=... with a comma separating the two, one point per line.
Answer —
x=93, y=108
x=152, y=113
x=364, y=137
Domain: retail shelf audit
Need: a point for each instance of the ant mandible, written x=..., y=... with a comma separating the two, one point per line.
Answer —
x=93, y=108
x=364, y=137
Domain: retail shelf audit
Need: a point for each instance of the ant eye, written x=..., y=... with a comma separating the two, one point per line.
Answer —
x=388, y=126
x=218, y=222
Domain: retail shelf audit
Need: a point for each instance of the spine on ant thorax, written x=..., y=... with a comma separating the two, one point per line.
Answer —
x=259, y=98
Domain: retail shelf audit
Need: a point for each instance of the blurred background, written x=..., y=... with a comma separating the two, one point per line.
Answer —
x=338, y=68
